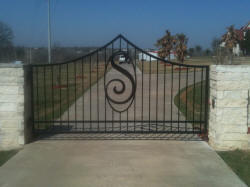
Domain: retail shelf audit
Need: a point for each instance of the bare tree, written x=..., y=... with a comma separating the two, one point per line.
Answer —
x=230, y=39
x=166, y=44
x=181, y=47
x=191, y=51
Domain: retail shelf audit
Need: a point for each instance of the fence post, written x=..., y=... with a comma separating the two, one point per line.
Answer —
x=229, y=85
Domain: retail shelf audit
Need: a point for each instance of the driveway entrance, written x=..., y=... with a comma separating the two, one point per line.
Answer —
x=128, y=163
x=98, y=93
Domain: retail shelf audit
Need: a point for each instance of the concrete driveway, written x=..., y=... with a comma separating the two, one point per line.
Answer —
x=151, y=103
x=115, y=163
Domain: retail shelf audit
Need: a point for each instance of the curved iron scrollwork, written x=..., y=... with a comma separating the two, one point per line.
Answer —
x=121, y=82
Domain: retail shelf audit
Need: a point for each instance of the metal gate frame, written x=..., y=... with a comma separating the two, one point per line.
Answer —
x=48, y=119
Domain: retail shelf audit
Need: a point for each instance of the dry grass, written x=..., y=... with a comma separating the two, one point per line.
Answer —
x=161, y=67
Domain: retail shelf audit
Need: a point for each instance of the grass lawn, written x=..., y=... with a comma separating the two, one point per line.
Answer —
x=239, y=162
x=191, y=102
x=57, y=88
x=6, y=155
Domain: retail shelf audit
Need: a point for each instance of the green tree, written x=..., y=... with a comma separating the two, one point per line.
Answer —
x=165, y=45
x=6, y=37
x=181, y=47
x=207, y=52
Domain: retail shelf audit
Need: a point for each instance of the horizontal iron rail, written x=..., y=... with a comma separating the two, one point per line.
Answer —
x=119, y=132
x=118, y=121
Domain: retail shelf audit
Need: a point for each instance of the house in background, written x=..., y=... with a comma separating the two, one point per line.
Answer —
x=143, y=56
x=241, y=34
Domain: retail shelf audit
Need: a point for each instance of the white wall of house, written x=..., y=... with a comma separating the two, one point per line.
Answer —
x=236, y=50
x=146, y=57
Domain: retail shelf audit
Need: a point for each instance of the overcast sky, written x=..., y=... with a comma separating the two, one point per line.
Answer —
x=95, y=22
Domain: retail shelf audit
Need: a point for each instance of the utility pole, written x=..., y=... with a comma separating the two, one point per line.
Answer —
x=49, y=34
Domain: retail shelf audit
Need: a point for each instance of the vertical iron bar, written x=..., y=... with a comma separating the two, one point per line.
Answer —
x=194, y=99
x=201, y=98
x=135, y=96
x=179, y=102
x=164, y=95
x=37, y=97
x=172, y=85
x=206, y=99
x=157, y=95
x=75, y=95
x=142, y=61
x=52, y=90
x=83, y=95
x=127, y=120
x=68, y=93
x=120, y=114
x=127, y=109
x=186, y=109
x=90, y=95
x=31, y=74
x=44, y=89
x=60, y=96
x=149, y=91
x=105, y=56
x=112, y=108
x=97, y=94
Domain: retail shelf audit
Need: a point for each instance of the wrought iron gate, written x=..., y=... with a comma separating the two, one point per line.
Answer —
x=120, y=88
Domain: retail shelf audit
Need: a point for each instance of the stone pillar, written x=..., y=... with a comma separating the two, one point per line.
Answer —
x=228, y=117
x=12, y=107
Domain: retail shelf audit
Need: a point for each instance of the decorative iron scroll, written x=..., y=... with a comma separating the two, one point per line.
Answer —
x=117, y=91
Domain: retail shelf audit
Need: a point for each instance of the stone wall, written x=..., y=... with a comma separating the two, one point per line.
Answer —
x=228, y=117
x=12, y=106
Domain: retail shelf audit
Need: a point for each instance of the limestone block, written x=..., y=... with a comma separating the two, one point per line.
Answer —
x=235, y=129
x=228, y=145
x=232, y=76
x=9, y=79
x=233, y=99
x=232, y=116
x=8, y=107
x=233, y=85
x=21, y=140
x=11, y=115
x=231, y=68
x=11, y=72
x=21, y=90
x=9, y=90
x=9, y=123
x=8, y=98
x=234, y=136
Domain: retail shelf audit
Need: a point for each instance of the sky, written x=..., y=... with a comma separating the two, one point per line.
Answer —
x=96, y=22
